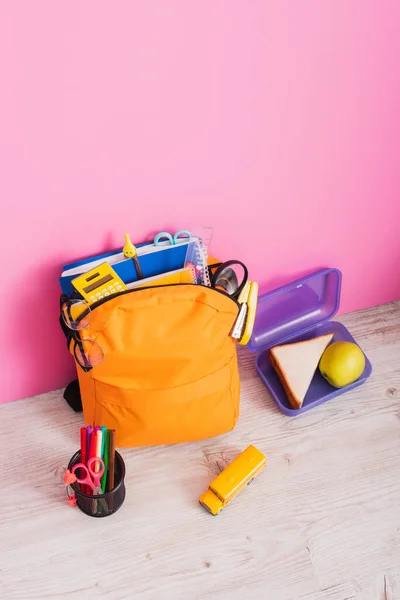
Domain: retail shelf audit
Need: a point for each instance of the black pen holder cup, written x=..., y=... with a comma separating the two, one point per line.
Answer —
x=102, y=505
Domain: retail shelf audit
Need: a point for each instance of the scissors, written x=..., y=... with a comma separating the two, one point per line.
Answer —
x=173, y=240
x=92, y=479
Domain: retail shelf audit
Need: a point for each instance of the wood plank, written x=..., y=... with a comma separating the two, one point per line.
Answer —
x=343, y=591
x=383, y=586
x=320, y=523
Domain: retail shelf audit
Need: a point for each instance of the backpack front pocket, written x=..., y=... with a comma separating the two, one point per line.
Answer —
x=143, y=417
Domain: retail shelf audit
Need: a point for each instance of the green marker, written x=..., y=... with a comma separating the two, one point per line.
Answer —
x=103, y=440
x=105, y=459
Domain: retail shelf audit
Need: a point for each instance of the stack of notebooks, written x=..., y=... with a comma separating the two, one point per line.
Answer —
x=163, y=259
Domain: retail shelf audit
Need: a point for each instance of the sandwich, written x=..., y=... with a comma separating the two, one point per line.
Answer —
x=295, y=364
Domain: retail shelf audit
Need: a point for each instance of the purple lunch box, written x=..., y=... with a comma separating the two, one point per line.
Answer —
x=295, y=312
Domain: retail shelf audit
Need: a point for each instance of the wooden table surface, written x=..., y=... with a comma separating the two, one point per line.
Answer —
x=322, y=522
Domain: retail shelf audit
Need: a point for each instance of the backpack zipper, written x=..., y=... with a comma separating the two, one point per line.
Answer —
x=139, y=289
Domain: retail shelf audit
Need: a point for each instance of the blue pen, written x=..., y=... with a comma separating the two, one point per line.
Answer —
x=103, y=440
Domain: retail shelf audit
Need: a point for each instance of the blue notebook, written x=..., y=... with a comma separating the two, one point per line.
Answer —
x=154, y=260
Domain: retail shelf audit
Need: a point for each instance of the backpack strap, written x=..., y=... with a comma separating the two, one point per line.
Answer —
x=67, y=332
x=72, y=395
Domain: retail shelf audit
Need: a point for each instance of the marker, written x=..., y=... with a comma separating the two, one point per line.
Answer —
x=89, y=433
x=93, y=446
x=106, y=454
x=83, y=445
x=103, y=440
x=111, y=461
x=83, y=452
x=99, y=435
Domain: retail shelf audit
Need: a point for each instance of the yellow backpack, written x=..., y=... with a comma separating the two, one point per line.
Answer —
x=169, y=372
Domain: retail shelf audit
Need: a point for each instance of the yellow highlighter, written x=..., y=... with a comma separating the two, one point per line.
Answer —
x=130, y=251
x=251, y=313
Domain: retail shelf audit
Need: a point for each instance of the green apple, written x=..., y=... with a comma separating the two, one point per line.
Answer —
x=342, y=363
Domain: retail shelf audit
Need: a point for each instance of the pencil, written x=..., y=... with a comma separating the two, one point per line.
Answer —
x=111, y=461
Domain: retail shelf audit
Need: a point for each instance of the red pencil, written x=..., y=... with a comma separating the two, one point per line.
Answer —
x=83, y=453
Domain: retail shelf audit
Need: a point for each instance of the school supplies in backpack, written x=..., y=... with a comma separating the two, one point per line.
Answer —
x=169, y=372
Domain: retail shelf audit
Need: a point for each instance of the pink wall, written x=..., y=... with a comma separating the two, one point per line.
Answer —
x=162, y=114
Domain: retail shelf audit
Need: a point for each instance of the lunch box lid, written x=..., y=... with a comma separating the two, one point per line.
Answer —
x=295, y=308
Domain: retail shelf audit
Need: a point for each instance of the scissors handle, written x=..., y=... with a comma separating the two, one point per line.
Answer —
x=161, y=236
x=92, y=477
x=164, y=235
x=95, y=475
x=83, y=480
x=180, y=234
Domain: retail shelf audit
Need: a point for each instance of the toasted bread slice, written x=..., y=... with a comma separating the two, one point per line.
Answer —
x=295, y=365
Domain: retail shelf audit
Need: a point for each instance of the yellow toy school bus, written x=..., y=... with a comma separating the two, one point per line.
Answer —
x=233, y=479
